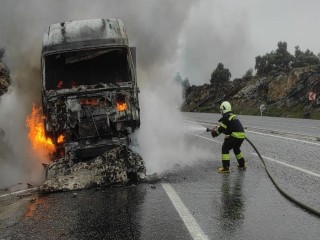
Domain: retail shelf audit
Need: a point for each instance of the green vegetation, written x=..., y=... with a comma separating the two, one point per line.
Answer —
x=274, y=61
x=184, y=83
x=282, y=60
x=315, y=115
x=248, y=74
x=250, y=109
x=304, y=59
x=2, y=53
x=220, y=74
x=204, y=109
x=299, y=73
x=295, y=112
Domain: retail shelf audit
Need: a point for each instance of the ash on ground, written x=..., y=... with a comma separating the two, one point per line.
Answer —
x=116, y=166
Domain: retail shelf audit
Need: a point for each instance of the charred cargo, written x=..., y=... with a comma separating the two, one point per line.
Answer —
x=89, y=86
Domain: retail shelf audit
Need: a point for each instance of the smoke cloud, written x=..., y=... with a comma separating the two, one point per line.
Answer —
x=153, y=27
x=219, y=34
x=17, y=161
x=164, y=144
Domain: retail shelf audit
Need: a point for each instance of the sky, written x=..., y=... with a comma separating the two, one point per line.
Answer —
x=186, y=36
x=235, y=32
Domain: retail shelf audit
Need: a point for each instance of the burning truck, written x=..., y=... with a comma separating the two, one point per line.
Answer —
x=89, y=88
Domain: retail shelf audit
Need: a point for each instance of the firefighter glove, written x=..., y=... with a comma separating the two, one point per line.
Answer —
x=214, y=133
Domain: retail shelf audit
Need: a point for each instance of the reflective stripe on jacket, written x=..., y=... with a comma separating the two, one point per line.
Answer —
x=230, y=125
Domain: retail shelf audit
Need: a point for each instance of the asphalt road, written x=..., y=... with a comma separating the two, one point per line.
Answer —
x=193, y=202
x=307, y=127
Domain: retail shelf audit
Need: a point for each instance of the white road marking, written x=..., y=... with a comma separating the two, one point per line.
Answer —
x=292, y=139
x=289, y=165
x=18, y=192
x=202, y=121
x=191, y=224
x=270, y=159
x=266, y=134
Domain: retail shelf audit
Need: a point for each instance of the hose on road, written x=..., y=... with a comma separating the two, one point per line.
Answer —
x=292, y=199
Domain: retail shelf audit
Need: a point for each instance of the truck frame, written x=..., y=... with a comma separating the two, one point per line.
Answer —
x=89, y=87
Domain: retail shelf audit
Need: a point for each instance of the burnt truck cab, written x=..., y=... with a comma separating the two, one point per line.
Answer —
x=89, y=86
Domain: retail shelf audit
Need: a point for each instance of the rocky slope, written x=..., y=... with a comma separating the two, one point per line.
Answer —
x=283, y=94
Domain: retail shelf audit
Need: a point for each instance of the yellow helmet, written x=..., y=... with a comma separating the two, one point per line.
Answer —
x=225, y=107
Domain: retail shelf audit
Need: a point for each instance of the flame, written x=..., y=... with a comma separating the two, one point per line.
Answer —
x=35, y=123
x=121, y=106
x=60, y=139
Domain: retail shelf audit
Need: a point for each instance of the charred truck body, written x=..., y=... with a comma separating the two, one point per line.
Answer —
x=89, y=86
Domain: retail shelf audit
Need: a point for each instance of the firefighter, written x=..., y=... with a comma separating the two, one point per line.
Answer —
x=234, y=137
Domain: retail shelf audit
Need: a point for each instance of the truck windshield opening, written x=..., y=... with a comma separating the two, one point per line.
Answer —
x=90, y=67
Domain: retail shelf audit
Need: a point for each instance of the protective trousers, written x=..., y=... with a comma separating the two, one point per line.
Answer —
x=235, y=144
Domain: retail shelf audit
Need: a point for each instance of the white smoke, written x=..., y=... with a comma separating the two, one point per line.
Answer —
x=162, y=135
x=154, y=27
x=17, y=162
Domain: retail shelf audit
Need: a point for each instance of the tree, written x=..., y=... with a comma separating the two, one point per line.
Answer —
x=220, y=74
x=185, y=83
x=275, y=61
x=248, y=74
x=265, y=64
x=282, y=58
x=177, y=78
x=2, y=53
x=303, y=59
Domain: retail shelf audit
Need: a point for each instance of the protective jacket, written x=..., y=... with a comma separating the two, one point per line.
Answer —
x=231, y=126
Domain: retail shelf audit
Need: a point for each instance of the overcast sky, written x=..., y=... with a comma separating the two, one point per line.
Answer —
x=235, y=32
x=184, y=36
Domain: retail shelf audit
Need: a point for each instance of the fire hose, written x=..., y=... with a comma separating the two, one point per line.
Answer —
x=285, y=194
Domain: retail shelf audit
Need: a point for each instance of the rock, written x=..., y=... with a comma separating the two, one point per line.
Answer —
x=141, y=176
x=115, y=166
x=281, y=86
x=288, y=90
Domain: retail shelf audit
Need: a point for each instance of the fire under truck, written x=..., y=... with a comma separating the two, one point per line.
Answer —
x=89, y=87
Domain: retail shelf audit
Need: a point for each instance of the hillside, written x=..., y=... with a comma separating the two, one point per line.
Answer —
x=284, y=94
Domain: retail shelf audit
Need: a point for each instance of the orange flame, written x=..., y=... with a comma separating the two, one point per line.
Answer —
x=36, y=134
x=60, y=139
x=121, y=106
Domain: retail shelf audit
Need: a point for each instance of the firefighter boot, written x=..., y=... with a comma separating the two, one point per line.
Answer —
x=225, y=168
x=241, y=164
